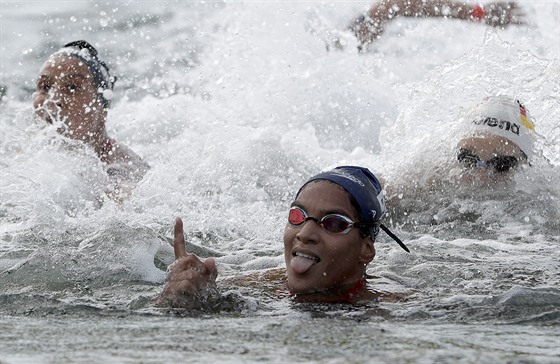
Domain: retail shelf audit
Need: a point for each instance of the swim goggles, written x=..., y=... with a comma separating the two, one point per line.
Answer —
x=332, y=223
x=500, y=163
x=337, y=224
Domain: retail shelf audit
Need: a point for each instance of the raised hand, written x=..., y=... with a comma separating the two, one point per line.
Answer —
x=190, y=282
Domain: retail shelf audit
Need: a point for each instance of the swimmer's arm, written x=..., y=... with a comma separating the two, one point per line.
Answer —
x=124, y=168
x=190, y=282
x=129, y=164
x=369, y=28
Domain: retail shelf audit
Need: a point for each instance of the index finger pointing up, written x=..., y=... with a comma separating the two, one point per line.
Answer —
x=179, y=239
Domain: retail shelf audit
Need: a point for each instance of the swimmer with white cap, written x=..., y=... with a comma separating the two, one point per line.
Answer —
x=74, y=91
x=500, y=136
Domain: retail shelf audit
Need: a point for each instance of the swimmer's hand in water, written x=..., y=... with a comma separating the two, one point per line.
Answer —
x=503, y=13
x=190, y=282
x=368, y=28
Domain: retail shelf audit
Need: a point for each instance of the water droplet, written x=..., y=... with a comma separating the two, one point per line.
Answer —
x=107, y=94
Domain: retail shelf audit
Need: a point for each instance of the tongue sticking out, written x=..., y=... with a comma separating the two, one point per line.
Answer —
x=301, y=264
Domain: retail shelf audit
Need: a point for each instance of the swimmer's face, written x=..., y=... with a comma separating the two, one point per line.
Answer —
x=489, y=146
x=317, y=260
x=488, y=158
x=66, y=91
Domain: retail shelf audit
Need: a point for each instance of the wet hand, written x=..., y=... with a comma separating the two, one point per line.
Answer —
x=190, y=281
x=366, y=29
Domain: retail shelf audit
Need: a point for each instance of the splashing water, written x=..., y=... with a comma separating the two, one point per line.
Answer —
x=234, y=105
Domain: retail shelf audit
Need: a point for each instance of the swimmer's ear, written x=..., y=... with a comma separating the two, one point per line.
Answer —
x=368, y=250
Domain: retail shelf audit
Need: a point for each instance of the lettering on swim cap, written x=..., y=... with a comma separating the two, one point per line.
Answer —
x=501, y=124
x=347, y=176
x=506, y=117
x=381, y=199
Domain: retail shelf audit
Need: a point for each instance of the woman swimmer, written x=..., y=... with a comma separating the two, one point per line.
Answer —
x=368, y=28
x=500, y=137
x=496, y=139
x=328, y=242
x=74, y=91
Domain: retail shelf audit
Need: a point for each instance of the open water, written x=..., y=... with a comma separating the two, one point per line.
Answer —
x=234, y=104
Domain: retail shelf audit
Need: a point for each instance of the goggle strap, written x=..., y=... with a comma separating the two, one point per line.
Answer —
x=395, y=238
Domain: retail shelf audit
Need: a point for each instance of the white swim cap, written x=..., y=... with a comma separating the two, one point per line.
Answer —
x=505, y=117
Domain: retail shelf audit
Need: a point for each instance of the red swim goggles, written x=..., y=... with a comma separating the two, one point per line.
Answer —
x=332, y=223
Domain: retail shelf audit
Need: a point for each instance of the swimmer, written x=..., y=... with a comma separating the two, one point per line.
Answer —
x=369, y=27
x=328, y=242
x=74, y=91
x=500, y=138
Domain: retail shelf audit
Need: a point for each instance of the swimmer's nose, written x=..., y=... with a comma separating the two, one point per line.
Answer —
x=40, y=99
x=47, y=106
x=53, y=100
x=52, y=105
x=309, y=232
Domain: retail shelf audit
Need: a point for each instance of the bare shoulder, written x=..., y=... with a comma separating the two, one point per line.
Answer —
x=257, y=278
x=270, y=282
x=124, y=163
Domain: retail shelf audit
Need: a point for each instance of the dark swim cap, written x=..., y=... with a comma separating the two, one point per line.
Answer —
x=365, y=189
x=87, y=54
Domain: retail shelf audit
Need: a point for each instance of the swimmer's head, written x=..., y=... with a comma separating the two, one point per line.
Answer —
x=87, y=54
x=500, y=126
x=73, y=90
x=331, y=227
x=366, y=195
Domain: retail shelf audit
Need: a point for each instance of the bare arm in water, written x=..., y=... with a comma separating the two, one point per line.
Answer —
x=369, y=27
x=191, y=282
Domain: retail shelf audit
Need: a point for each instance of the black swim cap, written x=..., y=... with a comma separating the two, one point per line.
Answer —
x=366, y=190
